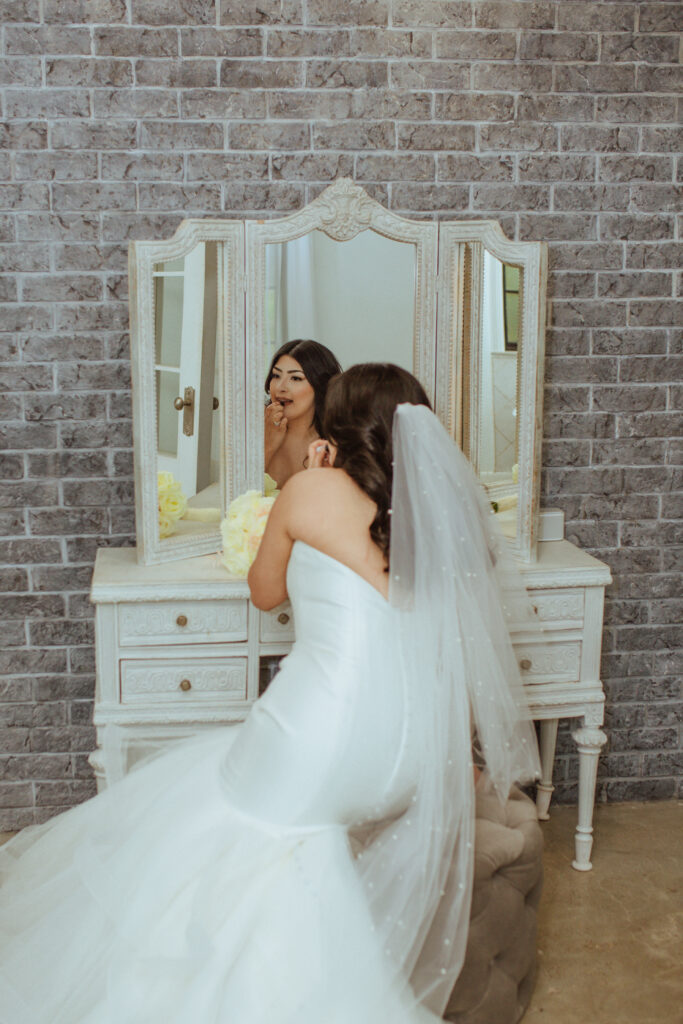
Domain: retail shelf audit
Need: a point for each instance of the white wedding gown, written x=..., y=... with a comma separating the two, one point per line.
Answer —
x=217, y=884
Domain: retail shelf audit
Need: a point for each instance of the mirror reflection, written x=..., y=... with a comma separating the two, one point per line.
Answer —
x=295, y=387
x=328, y=305
x=356, y=297
x=186, y=369
x=497, y=434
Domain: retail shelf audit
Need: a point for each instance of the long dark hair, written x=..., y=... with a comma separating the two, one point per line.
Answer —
x=319, y=366
x=359, y=414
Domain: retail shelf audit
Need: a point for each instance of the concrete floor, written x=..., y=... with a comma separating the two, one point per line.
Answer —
x=611, y=939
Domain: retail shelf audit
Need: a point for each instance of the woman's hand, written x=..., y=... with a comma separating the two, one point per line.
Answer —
x=275, y=429
x=320, y=453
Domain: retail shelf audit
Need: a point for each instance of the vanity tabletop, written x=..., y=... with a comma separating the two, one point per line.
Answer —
x=119, y=577
x=560, y=563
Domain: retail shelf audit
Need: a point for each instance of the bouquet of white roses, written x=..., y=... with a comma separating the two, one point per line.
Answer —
x=243, y=528
x=172, y=503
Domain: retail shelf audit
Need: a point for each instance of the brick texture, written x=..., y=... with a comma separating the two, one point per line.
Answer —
x=557, y=118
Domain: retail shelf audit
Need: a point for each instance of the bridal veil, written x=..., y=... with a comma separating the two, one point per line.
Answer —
x=459, y=597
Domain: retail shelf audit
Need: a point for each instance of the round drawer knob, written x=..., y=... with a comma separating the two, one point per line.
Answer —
x=185, y=685
x=181, y=620
x=525, y=664
x=283, y=618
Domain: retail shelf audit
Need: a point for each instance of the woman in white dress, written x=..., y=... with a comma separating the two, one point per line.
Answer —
x=314, y=865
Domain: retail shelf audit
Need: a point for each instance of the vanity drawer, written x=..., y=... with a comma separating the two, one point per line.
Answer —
x=549, y=663
x=176, y=622
x=559, y=609
x=277, y=624
x=176, y=681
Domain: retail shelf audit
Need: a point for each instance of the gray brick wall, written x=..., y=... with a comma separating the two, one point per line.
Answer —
x=122, y=116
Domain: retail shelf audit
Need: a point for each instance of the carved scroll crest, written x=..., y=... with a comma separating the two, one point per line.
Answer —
x=345, y=209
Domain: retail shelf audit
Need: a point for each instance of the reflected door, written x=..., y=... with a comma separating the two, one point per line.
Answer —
x=179, y=301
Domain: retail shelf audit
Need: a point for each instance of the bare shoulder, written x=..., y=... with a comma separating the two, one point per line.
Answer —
x=316, y=481
x=323, y=499
x=326, y=509
x=310, y=493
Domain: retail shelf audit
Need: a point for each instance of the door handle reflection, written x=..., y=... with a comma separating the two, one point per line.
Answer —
x=186, y=406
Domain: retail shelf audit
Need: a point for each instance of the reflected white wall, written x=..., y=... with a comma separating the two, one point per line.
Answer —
x=356, y=297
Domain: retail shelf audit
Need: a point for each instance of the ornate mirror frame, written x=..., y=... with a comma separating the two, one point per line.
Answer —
x=142, y=258
x=341, y=211
x=445, y=342
x=461, y=291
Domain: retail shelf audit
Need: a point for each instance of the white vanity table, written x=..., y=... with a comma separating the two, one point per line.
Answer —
x=178, y=644
x=178, y=649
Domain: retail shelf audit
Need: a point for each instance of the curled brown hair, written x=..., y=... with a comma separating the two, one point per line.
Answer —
x=358, y=419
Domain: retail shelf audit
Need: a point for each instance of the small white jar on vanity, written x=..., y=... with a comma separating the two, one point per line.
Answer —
x=178, y=643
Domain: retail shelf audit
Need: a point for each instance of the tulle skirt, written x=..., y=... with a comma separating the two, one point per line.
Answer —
x=158, y=902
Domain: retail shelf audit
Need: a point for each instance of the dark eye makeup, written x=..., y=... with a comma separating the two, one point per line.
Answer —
x=277, y=375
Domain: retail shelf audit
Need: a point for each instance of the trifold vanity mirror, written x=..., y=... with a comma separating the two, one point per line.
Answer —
x=456, y=303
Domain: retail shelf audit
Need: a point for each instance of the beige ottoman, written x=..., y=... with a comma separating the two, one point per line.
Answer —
x=498, y=975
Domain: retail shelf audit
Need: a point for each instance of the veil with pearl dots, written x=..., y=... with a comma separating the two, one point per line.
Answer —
x=459, y=598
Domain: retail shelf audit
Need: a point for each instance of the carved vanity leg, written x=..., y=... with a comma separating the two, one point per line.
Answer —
x=589, y=741
x=544, y=789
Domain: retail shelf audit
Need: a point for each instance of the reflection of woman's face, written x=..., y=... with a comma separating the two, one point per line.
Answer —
x=289, y=386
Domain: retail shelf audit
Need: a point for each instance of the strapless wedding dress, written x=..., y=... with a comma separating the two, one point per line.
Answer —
x=217, y=884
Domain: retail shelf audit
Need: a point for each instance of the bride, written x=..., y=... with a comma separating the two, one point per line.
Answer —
x=295, y=387
x=313, y=866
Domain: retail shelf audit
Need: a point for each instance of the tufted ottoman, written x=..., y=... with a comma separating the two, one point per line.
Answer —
x=497, y=978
